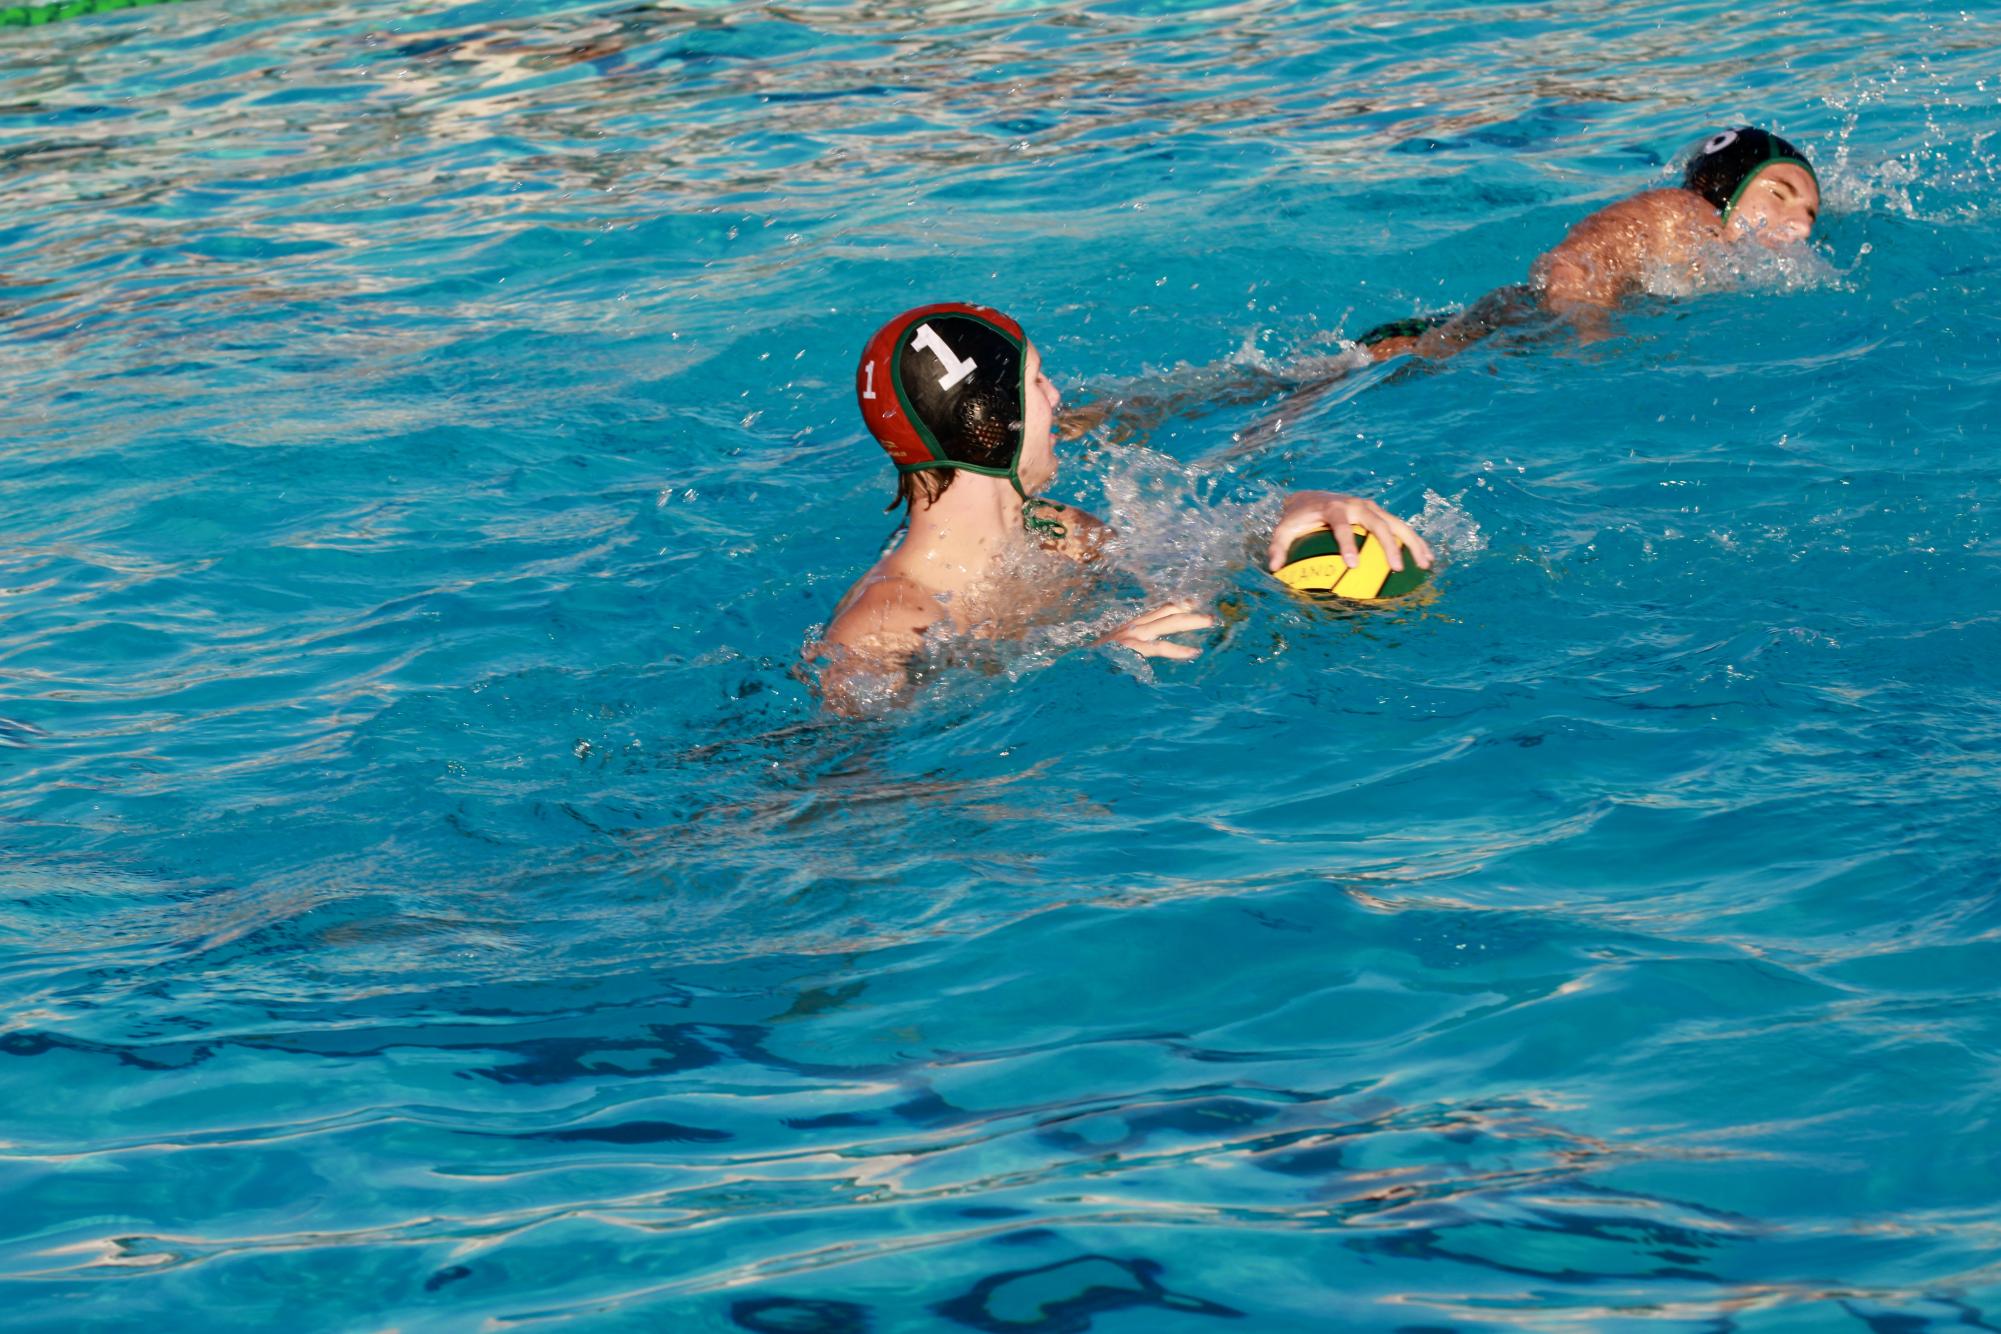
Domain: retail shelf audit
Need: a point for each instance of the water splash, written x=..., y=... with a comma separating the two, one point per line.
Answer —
x=1941, y=172
x=1182, y=528
x=1454, y=533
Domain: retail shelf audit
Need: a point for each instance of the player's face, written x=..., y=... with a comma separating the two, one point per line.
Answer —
x=1778, y=207
x=1038, y=445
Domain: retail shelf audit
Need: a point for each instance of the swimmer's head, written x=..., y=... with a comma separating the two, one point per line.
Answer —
x=952, y=387
x=1764, y=187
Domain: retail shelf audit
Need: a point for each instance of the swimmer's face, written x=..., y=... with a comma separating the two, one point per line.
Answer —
x=1777, y=208
x=1038, y=448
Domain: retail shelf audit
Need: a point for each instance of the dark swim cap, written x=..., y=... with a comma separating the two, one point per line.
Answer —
x=941, y=386
x=1728, y=162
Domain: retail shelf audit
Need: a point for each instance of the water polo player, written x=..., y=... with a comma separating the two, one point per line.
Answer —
x=957, y=396
x=1742, y=185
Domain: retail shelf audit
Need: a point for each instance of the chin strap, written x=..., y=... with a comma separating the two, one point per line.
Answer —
x=1049, y=530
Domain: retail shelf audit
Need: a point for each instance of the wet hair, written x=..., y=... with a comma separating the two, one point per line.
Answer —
x=929, y=485
x=1729, y=160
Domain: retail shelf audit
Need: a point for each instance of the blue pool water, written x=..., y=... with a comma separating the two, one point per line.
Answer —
x=430, y=901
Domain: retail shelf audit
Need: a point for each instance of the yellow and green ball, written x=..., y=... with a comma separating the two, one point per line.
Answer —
x=1313, y=566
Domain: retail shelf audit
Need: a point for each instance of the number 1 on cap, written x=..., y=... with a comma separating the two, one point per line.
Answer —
x=955, y=369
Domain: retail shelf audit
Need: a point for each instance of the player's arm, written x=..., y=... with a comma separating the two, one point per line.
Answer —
x=1138, y=407
x=1084, y=538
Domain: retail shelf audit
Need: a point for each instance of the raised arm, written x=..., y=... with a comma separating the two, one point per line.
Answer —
x=1137, y=407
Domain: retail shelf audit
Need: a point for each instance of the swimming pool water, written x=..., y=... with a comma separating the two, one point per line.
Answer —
x=429, y=899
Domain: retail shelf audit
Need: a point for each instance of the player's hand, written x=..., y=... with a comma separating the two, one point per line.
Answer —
x=1085, y=417
x=1144, y=635
x=1306, y=511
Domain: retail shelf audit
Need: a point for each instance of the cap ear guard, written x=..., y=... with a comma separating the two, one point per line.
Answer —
x=989, y=428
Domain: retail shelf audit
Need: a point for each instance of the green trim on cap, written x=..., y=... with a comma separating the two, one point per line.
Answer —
x=1730, y=205
x=939, y=459
x=1008, y=472
x=954, y=463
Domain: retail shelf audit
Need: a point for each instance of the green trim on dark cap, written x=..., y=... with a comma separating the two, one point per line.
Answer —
x=1774, y=160
x=939, y=458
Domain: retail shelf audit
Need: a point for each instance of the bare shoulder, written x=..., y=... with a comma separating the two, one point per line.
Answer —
x=1603, y=257
x=1644, y=214
x=877, y=628
x=1674, y=213
x=884, y=612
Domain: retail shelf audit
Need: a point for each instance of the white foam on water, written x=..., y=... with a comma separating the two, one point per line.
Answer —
x=1949, y=176
x=1453, y=533
x=1181, y=528
x=1182, y=534
x=1748, y=265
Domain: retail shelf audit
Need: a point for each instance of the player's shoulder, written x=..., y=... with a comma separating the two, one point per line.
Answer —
x=884, y=605
x=1673, y=205
x=1649, y=207
x=877, y=628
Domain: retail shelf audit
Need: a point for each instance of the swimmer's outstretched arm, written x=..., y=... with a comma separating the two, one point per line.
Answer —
x=1309, y=511
x=1137, y=407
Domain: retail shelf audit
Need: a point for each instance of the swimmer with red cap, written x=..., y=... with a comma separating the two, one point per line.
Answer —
x=1742, y=185
x=957, y=396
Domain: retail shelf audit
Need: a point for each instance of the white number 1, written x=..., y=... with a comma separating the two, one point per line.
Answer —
x=868, y=388
x=955, y=369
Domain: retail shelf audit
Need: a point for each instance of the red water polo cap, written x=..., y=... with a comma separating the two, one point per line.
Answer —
x=941, y=386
